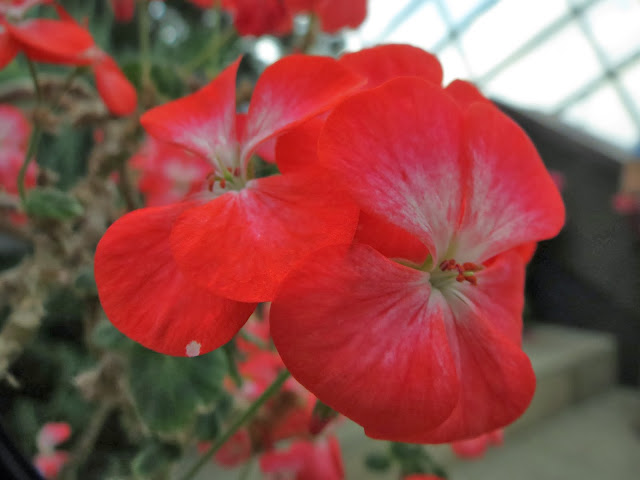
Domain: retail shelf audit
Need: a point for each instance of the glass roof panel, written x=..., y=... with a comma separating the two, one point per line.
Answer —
x=453, y=64
x=504, y=28
x=543, y=78
x=603, y=115
x=423, y=28
x=539, y=55
x=616, y=27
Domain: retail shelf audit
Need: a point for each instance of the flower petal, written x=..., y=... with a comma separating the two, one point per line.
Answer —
x=496, y=378
x=396, y=149
x=116, y=91
x=53, y=41
x=203, y=122
x=257, y=17
x=291, y=91
x=242, y=244
x=389, y=239
x=123, y=10
x=297, y=149
x=359, y=331
x=511, y=198
x=465, y=93
x=8, y=48
x=147, y=298
x=386, y=62
x=337, y=14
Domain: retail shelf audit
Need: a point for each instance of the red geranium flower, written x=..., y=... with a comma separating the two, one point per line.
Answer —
x=65, y=42
x=14, y=135
x=156, y=268
x=333, y=14
x=422, y=348
x=48, y=460
x=123, y=10
x=168, y=173
x=258, y=17
x=320, y=459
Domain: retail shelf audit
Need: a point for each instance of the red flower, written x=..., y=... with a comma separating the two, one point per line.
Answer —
x=425, y=348
x=475, y=447
x=258, y=17
x=305, y=460
x=168, y=173
x=333, y=14
x=123, y=10
x=189, y=274
x=50, y=464
x=235, y=451
x=14, y=135
x=48, y=460
x=51, y=435
x=67, y=43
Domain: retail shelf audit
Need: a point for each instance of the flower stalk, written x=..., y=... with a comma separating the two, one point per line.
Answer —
x=239, y=422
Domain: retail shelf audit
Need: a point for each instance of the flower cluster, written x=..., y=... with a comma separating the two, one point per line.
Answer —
x=286, y=416
x=252, y=17
x=63, y=41
x=392, y=243
x=260, y=17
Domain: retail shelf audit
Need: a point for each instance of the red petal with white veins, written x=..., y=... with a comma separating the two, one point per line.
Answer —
x=389, y=239
x=242, y=244
x=203, y=122
x=116, y=91
x=265, y=150
x=386, y=62
x=510, y=197
x=364, y=335
x=53, y=41
x=291, y=91
x=147, y=298
x=396, y=149
x=297, y=149
x=496, y=380
x=499, y=294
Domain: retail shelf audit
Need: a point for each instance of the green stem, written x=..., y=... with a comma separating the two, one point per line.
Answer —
x=66, y=86
x=34, y=76
x=36, y=133
x=34, y=140
x=211, y=50
x=229, y=350
x=239, y=422
x=143, y=40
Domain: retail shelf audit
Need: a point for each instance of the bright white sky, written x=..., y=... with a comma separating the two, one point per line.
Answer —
x=544, y=77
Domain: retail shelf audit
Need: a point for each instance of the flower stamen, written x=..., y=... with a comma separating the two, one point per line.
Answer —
x=465, y=271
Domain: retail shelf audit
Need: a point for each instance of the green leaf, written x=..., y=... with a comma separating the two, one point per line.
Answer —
x=154, y=458
x=47, y=202
x=106, y=336
x=377, y=462
x=86, y=282
x=170, y=391
x=167, y=80
x=208, y=426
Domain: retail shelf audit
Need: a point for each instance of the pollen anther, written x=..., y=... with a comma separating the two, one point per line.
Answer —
x=465, y=271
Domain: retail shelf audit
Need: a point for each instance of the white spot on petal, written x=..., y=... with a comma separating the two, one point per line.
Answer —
x=193, y=349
